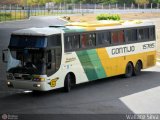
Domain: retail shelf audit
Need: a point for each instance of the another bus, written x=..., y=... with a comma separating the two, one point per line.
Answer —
x=43, y=59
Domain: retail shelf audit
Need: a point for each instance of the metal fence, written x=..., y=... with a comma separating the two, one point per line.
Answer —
x=16, y=12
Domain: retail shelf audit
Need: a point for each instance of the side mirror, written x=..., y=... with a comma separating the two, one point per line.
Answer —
x=5, y=55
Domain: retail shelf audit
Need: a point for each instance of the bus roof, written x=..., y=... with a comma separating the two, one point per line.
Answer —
x=108, y=24
x=82, y=27
x=46, y=31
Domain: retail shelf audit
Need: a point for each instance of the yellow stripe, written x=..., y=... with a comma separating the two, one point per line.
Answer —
x=116, y=66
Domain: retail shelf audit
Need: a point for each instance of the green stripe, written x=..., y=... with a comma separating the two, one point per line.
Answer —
x=91, y=64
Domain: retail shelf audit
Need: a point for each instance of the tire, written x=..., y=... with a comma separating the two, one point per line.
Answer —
x=137, y=69
x=67, y=83
x=129, y=70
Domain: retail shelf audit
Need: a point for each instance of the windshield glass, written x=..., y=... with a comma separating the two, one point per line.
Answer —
x=28, y=41
x=38, y=55
x=28, y=61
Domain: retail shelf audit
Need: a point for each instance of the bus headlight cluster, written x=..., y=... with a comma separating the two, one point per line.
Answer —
x=38, y=79
x=9, y=84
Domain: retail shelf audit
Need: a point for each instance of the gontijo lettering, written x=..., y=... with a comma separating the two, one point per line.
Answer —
x=120, y=50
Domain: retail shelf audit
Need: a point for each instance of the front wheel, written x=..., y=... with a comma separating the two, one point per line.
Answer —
x=129, y=70
x=67, y=83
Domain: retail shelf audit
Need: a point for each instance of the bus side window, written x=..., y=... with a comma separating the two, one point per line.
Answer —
x=128, y=36
x=76, y=41
x=146, y=34
x=83, y=41
x=152, y=33
x=131, y=35
x=68, y=43
x=103, y=38
x=134, y=35
x=121, y=37
x=92, y=39
x=114, y=35
x=140, y=34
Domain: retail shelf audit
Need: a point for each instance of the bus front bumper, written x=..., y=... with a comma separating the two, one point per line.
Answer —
x=29, y=85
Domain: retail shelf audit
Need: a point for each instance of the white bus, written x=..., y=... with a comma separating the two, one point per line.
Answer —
x=43, y=59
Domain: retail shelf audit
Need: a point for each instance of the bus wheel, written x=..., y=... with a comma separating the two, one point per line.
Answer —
x=67, y=83
x=129, y=70
x=138, y=67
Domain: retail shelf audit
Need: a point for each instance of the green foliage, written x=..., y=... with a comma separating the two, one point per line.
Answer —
x=141, y=2
x=108, y=17
x=155, y=1
x=5, y=15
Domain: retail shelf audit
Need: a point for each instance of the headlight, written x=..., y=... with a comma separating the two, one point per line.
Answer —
x=38, y=79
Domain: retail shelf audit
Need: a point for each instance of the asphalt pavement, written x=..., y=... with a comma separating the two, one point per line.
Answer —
x=116, y=95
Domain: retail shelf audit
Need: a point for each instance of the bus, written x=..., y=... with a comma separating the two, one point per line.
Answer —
x=42, y=59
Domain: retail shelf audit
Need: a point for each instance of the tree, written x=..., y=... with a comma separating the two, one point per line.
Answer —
x=142, y=2
x=126, y=1
x=58, y=1
x=155, y=1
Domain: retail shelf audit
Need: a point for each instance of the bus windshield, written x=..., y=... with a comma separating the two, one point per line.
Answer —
x=38, y=55
x=27, y=61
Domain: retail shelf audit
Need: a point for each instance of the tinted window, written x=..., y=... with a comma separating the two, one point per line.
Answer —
x=28, y=41
x=76, y=41
x=152, y=33
x=54, y=40
x=68, y=43
x=114, y=37
x=131, y=35
x=72, y=42
x=88, y=40
x=117, y=37
x=146, y=33
x=134, y=35
x=121, y=37
x=140, y=34
x=53, y=60
x=92, y=39
x=103, y=38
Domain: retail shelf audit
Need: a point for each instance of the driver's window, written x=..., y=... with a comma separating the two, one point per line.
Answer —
x=49, y=59
x=51, y=62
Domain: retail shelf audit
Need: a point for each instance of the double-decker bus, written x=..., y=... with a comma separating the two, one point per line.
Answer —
x=43, y=59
